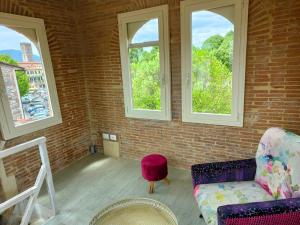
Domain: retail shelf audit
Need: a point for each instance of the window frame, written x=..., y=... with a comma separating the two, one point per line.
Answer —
x=8, y=129
x=161, y=13
x=239, y=62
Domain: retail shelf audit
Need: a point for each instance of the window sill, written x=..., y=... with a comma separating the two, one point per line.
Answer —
x=213, y=119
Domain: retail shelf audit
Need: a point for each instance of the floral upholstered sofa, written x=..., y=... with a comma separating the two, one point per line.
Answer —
x=264, y=190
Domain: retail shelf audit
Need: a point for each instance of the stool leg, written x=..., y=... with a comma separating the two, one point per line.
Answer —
x=166, y=180
x=151, y=187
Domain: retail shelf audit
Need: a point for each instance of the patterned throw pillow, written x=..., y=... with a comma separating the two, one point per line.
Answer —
x=278, y=163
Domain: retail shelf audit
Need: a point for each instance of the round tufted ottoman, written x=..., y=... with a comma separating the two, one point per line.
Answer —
x=154, y=168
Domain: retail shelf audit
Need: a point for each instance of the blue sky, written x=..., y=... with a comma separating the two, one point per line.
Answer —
x=204, y=25
x=148, y=32
x=10, y=39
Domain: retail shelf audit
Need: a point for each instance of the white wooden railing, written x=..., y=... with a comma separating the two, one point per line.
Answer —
x=32, y=192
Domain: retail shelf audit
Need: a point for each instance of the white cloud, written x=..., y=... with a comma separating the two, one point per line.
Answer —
x=206, y=24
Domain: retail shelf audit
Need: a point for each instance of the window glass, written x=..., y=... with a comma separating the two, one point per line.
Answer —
x=23, y=76
x=144, y=48
x=145, y=65
x=143, y=31
x=212, y=57
x=145, y=77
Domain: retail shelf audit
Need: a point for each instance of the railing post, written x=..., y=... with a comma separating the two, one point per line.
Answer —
x=31, y=193
x=45, y=162
x=32, y=200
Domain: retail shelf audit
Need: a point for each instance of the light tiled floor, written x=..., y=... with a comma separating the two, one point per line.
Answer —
x=94, y=182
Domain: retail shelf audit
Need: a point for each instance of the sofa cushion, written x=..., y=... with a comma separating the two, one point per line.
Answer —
x=210, y=196
x=278, y=167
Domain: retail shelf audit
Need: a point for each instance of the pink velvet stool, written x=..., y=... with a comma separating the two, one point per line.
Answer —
x=154, y=168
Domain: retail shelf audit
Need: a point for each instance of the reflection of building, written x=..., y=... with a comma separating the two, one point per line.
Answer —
x=27, y=54
x=34, y=70
x=12, y=89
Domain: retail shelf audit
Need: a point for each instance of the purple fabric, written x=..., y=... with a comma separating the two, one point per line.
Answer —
x=279, y=212
x=258, y=209
x=291, y=218
x=239, y=170
x=154, y=167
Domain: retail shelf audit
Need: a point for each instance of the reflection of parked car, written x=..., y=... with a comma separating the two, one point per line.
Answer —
x=41, y=115
x=37, y=106
x=42, y=92
x=31, y=92
x=39, y=111
x=32, y=103
x=37, y=100
x=25, y=99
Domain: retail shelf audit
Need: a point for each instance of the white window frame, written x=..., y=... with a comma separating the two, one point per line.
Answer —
x=8, y=129
x=239, y=62
x=160, y=12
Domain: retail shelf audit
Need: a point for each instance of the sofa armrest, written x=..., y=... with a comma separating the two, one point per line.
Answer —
x=239, y=170
x=285, y=211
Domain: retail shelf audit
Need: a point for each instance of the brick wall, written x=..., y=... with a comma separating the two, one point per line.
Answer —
x=272, y=84
x=68, y=141
x=84, y=47
x=10, y=81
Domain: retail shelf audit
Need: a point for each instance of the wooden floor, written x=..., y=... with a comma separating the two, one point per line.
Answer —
x=91, y=184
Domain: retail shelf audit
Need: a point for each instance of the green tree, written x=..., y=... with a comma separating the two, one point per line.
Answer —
x=225, y=51
x=211, y=84
x=23, y=82
x=145, y=77
x=22, y=78
x=135, y=54
x=213, y=42
x=7, y=59
x=212, y=75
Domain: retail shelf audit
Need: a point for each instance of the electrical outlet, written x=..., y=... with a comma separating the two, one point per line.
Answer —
x=113, y=137
x=105, y=136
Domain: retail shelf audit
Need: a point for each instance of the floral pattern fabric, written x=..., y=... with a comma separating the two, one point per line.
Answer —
x=278, y=163
x=210, y=196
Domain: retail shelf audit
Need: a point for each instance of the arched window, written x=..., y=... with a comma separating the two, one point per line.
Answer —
x=145, y=63
x=23, y=46
x=143, y=31
x=213, y=61
x=212, y=57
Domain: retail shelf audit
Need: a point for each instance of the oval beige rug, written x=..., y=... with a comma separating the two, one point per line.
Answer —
x=137, y=211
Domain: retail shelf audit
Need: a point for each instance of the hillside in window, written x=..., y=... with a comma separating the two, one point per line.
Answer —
x=17, y=55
